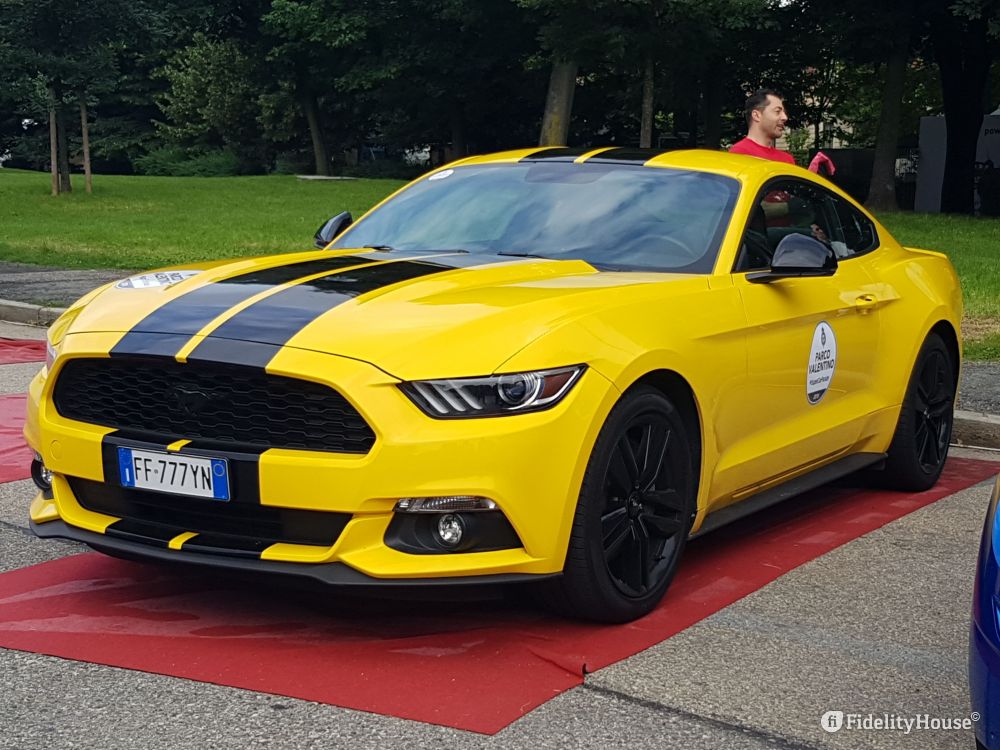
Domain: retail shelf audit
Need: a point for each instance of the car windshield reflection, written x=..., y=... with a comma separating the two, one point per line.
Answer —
x=616, y=216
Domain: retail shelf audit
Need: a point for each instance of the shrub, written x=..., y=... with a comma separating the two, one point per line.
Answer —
x=179, y=162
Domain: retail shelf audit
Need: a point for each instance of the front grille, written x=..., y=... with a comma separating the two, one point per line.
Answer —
x=241, y=524
x=226, y=406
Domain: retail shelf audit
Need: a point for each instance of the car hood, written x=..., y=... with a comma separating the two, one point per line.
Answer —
x=442, y=315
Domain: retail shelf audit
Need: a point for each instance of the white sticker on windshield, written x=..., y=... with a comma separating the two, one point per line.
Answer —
x=442, y=175
x=822, y=362
x=147, y=280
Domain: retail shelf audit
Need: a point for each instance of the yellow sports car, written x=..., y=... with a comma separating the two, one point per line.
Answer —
x=546, y=365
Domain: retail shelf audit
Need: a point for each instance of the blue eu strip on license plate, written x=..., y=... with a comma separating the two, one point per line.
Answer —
x=178, y=474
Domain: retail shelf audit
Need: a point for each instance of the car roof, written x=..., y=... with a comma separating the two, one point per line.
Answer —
x=719, y=162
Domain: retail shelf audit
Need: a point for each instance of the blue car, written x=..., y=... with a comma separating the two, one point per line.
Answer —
x=984, y=647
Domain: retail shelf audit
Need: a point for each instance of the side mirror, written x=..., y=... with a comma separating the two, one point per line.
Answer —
x=797, y=256
x=329, y=231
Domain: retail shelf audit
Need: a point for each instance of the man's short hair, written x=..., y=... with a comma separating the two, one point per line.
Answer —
x=758, y=100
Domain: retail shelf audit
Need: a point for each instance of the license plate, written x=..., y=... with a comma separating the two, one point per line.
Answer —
x=172, y=472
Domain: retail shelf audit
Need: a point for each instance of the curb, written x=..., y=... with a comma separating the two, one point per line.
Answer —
x=972, y=429
x=34, y=315
x=975, y=429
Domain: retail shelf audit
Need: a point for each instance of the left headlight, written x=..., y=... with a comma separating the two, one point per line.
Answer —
x=493, y=395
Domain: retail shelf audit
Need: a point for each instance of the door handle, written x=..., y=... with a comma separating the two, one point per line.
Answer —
x=865, y=303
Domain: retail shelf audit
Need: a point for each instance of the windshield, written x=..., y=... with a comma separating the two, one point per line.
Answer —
x=615, y=216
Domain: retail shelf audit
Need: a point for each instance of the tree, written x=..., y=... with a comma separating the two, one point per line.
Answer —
x=66, y=47
x=964, y=38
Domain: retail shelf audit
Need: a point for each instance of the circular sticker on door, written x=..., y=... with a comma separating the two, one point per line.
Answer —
x=822, y=362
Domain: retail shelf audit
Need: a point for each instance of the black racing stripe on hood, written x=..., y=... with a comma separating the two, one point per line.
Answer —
x=165, y=330
x=254, y=335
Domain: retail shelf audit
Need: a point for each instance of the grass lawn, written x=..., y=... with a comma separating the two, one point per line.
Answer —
x=144, y=222
x=973, y=244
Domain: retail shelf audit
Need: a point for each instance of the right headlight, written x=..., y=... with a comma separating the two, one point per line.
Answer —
x=493, y=395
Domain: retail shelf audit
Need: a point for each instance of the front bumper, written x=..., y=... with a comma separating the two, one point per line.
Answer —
x=531, y=465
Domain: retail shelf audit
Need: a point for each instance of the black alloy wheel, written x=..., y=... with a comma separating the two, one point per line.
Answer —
x=919, y=446
x=933, y=410
x=636, y=506
x=644, y=515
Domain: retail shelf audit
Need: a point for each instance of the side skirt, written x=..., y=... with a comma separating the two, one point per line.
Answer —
x=804, y=483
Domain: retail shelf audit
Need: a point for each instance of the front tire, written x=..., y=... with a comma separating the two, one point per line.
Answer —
x=635, y=510
x=919, y=446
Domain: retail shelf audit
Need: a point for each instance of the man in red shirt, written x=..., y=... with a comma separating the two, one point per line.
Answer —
x=766, y=118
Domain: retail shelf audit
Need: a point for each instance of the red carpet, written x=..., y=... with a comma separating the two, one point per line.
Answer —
x=472, y=665
x=15, y=458
x=15, y=351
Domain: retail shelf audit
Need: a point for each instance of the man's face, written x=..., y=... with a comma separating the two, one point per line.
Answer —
x=772, y=118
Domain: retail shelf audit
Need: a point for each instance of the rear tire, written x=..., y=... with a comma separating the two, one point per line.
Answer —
x=634, y=513
x=919, y=446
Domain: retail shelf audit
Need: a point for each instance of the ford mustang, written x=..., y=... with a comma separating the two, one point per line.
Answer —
x=546, y=365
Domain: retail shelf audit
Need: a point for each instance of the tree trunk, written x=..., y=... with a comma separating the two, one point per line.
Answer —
x=85, y=130
x=310, y=108
x=62, y=142
x=53, y=148
x=559, y=104
x=646, y=124
x=712, y=91
x=961, y=48
x=882, y=189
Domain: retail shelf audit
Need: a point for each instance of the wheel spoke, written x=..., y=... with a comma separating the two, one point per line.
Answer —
x=656, y=453
x=664, y=527
x=614, y=545
x=643, y=551
x=612, y=522
x=928, y=380
x=618, y=474
x=923, y=440
x=629, y=460
x=940, y=408
x=666, y=499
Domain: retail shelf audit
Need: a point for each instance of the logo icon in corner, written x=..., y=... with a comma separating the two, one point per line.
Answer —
x=832, y=721
x=822, y=362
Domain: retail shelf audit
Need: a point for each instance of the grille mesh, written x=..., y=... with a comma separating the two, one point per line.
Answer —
x=225, y=405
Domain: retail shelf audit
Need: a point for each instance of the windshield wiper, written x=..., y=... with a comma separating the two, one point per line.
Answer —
x=524, y=255
x=391, y=249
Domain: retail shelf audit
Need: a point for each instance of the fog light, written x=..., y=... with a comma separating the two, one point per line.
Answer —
x=40, y=474
x=450, y=529
x=444, y=504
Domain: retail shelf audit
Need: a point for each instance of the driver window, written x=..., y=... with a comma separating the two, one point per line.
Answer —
x=786, y=207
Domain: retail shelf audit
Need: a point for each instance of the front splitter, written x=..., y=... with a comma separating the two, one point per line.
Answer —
x=334, y=573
